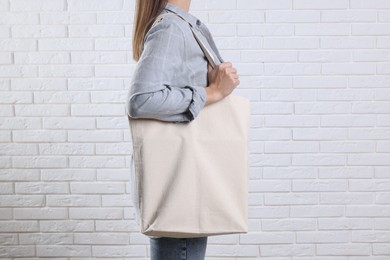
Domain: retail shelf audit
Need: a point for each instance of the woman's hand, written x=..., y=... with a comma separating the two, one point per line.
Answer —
x=223, y=79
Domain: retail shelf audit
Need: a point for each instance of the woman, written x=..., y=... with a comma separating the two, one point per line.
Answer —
x=173, y=82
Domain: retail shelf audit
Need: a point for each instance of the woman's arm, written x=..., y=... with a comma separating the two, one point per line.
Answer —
x=152, y=93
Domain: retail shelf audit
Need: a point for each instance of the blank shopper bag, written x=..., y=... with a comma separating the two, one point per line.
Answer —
x=190, y=178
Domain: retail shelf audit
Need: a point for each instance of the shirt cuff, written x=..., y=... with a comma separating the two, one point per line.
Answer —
x=199, y=97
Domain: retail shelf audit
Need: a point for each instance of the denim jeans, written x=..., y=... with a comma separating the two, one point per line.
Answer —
x=167, y=248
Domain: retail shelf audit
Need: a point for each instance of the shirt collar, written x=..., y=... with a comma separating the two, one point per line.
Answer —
x=195, y=22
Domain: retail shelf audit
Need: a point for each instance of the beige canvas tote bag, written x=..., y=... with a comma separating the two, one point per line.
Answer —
x=191, y=178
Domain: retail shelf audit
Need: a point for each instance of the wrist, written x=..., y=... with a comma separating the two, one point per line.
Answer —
x=212, y=96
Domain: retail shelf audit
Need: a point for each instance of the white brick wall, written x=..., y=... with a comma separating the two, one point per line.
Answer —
x=317, y=73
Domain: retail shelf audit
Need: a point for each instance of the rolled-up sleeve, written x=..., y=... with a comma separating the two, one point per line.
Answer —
x=153, y=92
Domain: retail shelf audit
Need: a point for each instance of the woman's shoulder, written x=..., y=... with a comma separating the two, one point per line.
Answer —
x=172, y=23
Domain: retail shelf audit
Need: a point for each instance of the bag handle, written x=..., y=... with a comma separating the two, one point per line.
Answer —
x=205, y=50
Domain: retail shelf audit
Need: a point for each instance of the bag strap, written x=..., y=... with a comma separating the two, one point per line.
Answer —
x=205, y=50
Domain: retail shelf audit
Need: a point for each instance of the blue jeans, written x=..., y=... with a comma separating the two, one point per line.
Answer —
x=167, y=248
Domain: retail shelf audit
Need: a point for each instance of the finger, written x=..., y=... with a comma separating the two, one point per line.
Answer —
x=232, y=70
x=226, y=64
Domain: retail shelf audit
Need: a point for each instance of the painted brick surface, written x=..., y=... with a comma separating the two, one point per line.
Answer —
x=317, y=73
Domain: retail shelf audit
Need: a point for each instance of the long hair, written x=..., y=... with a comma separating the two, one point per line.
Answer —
x=145, y=13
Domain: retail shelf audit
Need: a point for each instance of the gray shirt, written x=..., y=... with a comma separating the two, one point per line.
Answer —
x=171, y=75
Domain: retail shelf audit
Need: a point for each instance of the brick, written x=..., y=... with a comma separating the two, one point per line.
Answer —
x=18, y=149
x=39, y=162
x=101, y=238
x=322, y=29
x=267, y=238
x=14, y=123
x=95, y=84
x=367, y=211
x=41, y=213
x=292, y=16
x=375, y=4
x=45, y=239
x=19, y=226
x=69, y=123
x=315, y=108
x=268, y=56
x=38, y=84
x=270, y=160
x=354, y=42
x=347, y=147
x=99, y=5
x=73, y=200
x=96, y=161
x=18, y=17
x=324, y=56
x=96, y=31
x=289, y=173
x=42, y=110
x=317, y=211
x=291, y=199
x=373, y=185
x=17, y=71
x=291, y=121
x=270, y=134
x=95, y=213
x=236, y=16
x=263, y=4
x=97, y=110
x=346, y=172
x=292, y=147
x=232, y=250
x=318, y=4
x=95, y=136
x=369, y=133
x=38, y=136
x=17, y=251
x=348, y=16
x=290, y=224
x=63, y=250
x=59, y=97
x=41, y=187
x=268, y=212
x=97, y=57
x=38, y=31
x=287, y=250
x=66, y=148
x=348, y=121
x=347, y=198
x=38, y=5
x=66, y=225
x=5, y=214
x=68, y=18
x=6, y=110
x=319, y=185
x=19, y=174
x=102, y=188
x=320, y=134
x=268, y=185
x=323, y=237
x=67, y=44
x=8, y=239
x=265, y=29
x=344, y=224
x=42, y=58
x=292, y=69
x=343, y=249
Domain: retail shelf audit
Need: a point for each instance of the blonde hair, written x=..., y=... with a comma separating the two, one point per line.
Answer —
x=146, y=12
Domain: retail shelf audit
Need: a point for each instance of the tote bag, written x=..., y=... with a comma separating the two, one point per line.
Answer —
x=190, y=178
